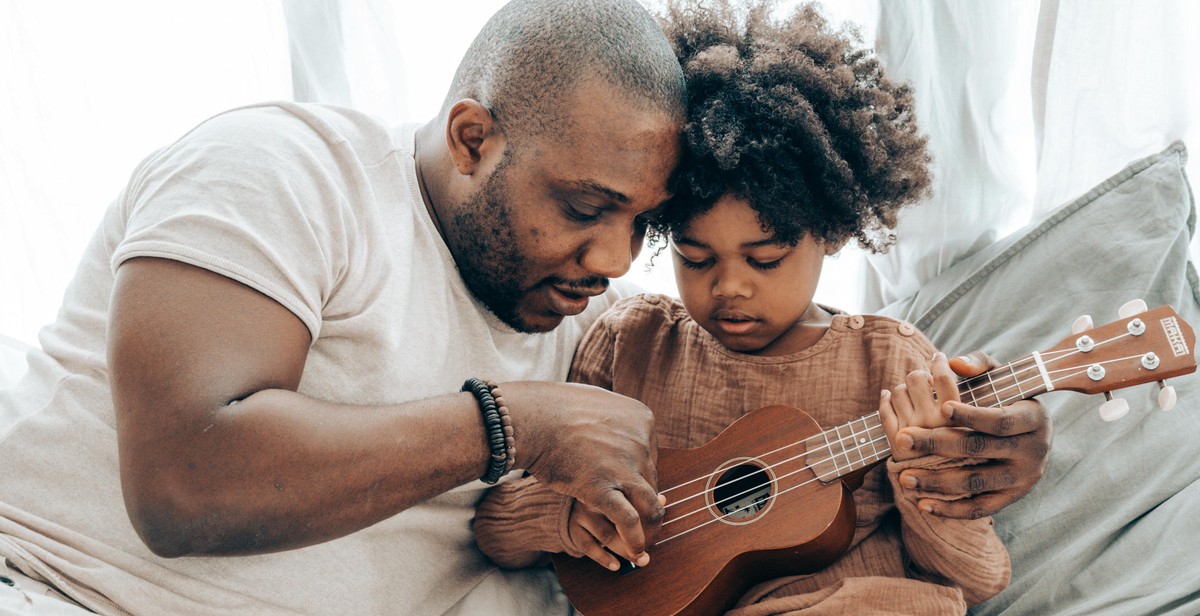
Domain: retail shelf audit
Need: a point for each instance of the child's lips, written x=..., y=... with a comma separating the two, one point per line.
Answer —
x=734, y=322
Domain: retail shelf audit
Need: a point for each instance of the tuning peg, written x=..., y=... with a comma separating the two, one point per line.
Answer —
x=1082, y=324
x=1166, y=396
x=1132, y=307
x=1114, y=408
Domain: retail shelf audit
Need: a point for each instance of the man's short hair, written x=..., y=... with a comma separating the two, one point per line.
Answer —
x=531, y=55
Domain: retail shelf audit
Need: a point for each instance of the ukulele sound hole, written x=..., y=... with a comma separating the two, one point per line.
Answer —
x=742, y=492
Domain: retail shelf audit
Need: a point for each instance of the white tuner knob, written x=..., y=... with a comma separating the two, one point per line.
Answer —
x=1166, y=396
x=1082, y=324
x=1131, y=308
x=1114, y=409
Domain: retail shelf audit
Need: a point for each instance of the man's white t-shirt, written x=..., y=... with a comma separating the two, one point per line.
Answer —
x=317, y=208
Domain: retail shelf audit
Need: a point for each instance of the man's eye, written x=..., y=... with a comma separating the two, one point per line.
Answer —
x=581, y=213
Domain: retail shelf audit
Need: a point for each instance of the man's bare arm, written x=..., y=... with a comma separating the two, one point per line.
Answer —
x=220, y=455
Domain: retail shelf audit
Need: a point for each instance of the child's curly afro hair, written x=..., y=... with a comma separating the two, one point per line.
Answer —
x=791, y=116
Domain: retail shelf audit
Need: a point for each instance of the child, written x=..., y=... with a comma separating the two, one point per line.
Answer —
x=796, y=143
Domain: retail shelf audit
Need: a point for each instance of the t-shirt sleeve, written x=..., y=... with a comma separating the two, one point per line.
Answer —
x=256, y=195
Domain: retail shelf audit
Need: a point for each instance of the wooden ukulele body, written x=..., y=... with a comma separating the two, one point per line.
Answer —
x=703, y=560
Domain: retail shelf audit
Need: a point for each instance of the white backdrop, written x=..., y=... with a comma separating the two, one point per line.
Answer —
x=1028, y=104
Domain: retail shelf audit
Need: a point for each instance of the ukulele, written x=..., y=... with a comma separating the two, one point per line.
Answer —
x=770, y=496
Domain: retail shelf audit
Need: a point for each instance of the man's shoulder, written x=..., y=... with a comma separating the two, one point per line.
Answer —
x=296, y=129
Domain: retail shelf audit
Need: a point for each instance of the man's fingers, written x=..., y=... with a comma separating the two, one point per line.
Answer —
x=973, y=363
x=967, y=480
x=1021, y=417
x=968, y=508
x=960, y=443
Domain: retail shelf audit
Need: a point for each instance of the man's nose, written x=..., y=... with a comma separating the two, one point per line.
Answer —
x=610, y=254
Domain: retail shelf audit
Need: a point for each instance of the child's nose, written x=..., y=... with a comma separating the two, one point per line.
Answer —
x=729, y=285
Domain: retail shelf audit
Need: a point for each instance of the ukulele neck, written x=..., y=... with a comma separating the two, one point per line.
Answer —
x=861, y=443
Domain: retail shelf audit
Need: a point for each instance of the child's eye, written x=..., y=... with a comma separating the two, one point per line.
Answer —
x=696, y=265
x=765, y=265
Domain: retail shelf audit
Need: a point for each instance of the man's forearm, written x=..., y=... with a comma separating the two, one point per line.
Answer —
x=279, y=470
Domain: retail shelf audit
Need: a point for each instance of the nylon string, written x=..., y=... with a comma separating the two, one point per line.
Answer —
x=1048, y=358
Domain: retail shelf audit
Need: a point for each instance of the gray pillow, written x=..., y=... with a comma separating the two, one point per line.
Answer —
x=1114, y=525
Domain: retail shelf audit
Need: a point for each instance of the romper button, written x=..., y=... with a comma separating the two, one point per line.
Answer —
x=906, y=329
x=856, y=322
x=7, y=580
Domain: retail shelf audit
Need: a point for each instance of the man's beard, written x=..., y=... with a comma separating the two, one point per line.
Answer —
x=485, y=250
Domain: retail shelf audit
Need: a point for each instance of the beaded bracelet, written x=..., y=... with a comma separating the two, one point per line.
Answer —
x=510, y=443
x=493, y=429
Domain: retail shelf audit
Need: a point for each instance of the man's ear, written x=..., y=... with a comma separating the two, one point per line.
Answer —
x=472, y=135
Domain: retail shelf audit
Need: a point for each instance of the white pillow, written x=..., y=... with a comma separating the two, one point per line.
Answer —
x=1113, y=527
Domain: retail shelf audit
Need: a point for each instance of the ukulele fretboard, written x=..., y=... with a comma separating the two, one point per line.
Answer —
x=857, y=444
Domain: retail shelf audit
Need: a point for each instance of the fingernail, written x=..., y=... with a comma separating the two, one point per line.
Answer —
x=908, y=481
x=939, y=356
x=904, y=441
x=612, y=566
x=642, y=560
x=926, y=507
x=967, y=359
x=885, y=393
x=947, y=410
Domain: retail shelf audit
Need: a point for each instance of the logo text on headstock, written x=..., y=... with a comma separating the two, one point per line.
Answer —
x=1174, y=336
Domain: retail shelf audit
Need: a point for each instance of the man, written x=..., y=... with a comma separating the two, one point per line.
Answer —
x=256, y=356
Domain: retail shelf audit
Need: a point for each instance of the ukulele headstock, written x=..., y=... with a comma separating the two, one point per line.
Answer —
x=1143, y=346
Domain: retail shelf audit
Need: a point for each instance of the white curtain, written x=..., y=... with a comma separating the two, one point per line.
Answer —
x=89, y=89
x=1027, y=105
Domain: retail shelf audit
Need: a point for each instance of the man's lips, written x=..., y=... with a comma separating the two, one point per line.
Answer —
x=570, y=301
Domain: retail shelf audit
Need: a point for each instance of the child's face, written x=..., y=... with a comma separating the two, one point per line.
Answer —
x=750, y=292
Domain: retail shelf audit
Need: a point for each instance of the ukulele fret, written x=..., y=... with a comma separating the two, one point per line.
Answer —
x=841, y=450
x=1007, y=384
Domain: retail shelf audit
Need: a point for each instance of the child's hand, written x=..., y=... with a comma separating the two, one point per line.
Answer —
x=912, y=404
x=591, y=532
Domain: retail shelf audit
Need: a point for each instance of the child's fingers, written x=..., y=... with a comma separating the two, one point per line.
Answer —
x=584, y=539
x=903, y=405
x=591, y=548
x=606, y=534
x=945, y=381
x=887, y=414
x=925, y=411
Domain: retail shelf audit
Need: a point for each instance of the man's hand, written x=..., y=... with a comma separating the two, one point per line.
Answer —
x=596, y=446
x=1013, y=441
